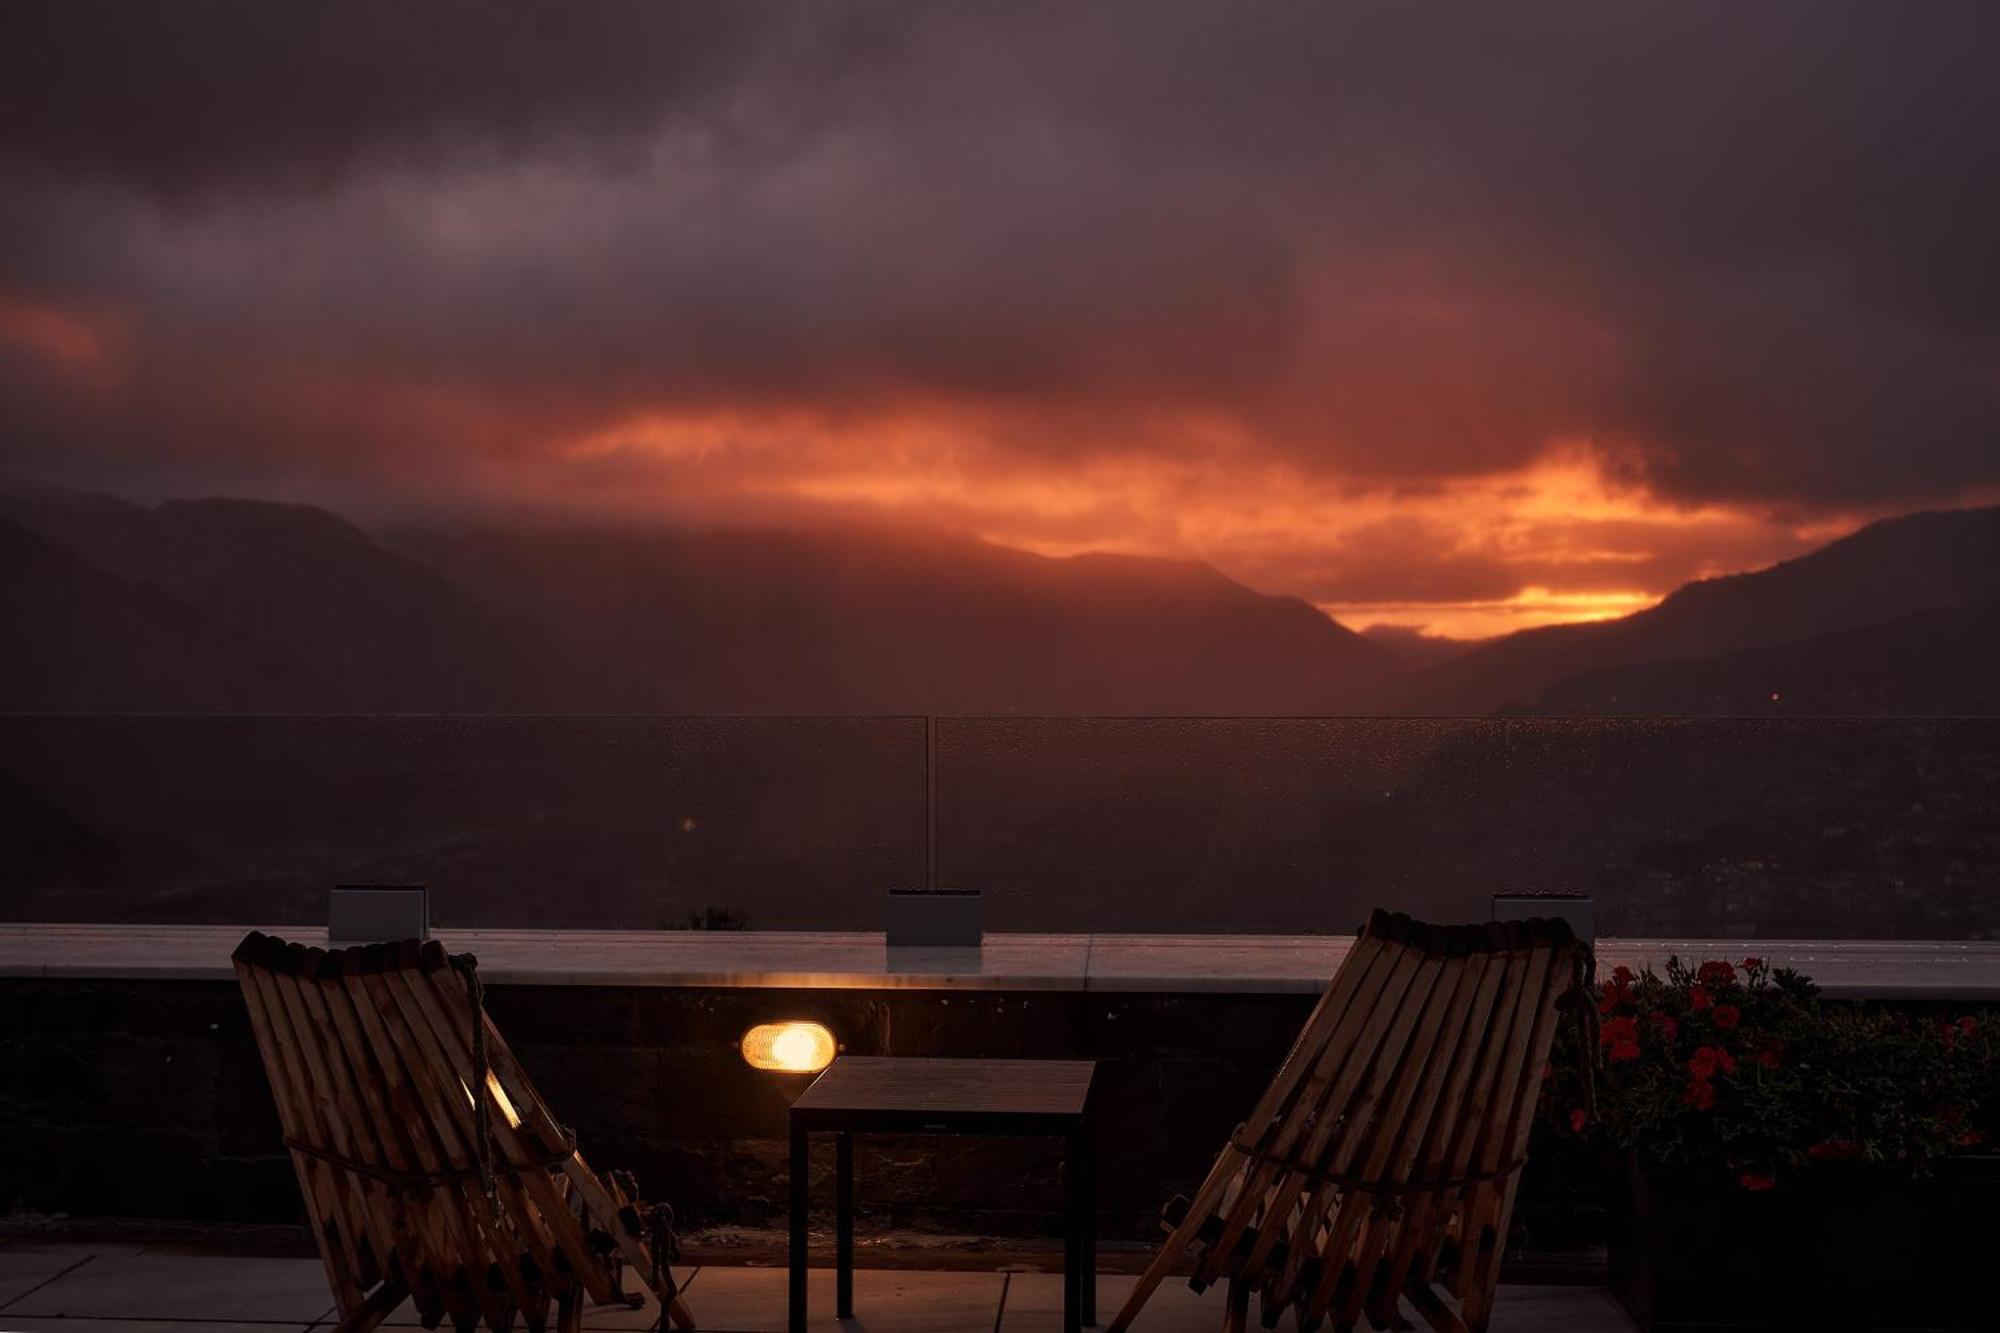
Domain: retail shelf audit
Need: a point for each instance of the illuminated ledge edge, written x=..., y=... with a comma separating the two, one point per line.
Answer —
x=1242, y=964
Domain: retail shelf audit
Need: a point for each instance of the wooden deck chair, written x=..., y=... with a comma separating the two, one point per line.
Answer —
x=1381, y=1163
x=432, y=1170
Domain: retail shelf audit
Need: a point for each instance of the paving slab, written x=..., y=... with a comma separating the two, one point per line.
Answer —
x=1550, y=1309
x=1034, y=1305
x=24, y=1268
x=1035, y=1302
x=752, y=1300
x=57, y=1323
x=165, y=1285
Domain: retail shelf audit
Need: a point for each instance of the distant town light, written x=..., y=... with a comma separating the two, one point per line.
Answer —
x=792, y=1047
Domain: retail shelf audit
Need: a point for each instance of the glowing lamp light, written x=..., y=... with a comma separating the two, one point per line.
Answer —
x=791, y=1048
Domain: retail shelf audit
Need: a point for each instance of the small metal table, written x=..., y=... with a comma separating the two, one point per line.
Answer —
x=908, y=1095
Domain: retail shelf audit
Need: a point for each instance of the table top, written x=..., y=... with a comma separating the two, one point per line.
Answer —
x=920, y=1086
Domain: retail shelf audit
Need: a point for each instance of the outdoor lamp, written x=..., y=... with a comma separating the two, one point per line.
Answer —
x=792, y=1047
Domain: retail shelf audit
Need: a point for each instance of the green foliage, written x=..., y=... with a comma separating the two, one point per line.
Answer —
x=1736, y=1067
x=712, y=918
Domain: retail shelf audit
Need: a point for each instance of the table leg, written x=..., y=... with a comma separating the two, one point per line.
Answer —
x=1073, y=1231
x=801, y=1169
x=1087, y=1265
x=844, y=1225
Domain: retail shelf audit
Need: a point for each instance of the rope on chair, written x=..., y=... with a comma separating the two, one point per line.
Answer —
x=467, y=966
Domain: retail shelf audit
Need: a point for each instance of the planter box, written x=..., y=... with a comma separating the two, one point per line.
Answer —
x=1830, y=1250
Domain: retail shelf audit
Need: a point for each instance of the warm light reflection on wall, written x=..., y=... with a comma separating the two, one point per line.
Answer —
x=791, y=1047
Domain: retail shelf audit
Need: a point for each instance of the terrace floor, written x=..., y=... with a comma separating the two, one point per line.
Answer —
x=142, y=1289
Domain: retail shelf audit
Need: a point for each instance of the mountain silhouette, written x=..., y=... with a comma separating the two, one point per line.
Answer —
x=1934, y=662
x=81, y=640
x=884, y=622
x=530, y=618
x=250, y=606
x=377, y=629
x=1891, y=569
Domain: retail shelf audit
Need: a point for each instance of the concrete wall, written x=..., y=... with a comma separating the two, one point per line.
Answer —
x=146, y=1098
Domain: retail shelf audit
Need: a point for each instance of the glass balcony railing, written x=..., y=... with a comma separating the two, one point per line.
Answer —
x=1747, y=828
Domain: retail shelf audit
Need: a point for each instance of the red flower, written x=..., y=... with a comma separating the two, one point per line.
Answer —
x=1972, y=1138
x=1699, y=1093
x=1623, y=975
x=1616, y=991
x=1767, y=1054
x=1701, y=998
x=1717, y=973
x=1727, y=1015
x=1622, y=1036
x=1753, y=964
x=1757, y=1180
x=1709, y=1059
x=1668, y=1025
x=1834, y=1150
x=1577, y=1120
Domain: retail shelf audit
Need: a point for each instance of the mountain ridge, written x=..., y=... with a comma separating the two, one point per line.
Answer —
x=1923, y=561
x=540, y=618
x=484, y=616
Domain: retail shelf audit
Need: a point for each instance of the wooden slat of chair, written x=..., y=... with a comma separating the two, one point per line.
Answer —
x=450, y=1203
x=1357, y=1293
x=336, y=1250
x=1358, y=1135
x=533, y=1191
x=558, y=1224
x=521, y=1092
x=1343, y=1064
x=367, y=1212
x=1421, y=1149
x=1364, y=1151
x=522, y=1143
x=432, y=1255
x=1478, y=1293
x=1427, y=1212
x=305, y=1067
x=369, y=1055
x=1406, y=1119
x=1343, y=1010
x=436, y=1139
x=347, y=1082
x=537, y=1135
x=1474, y=1213
x=1476, y=1115
x=1427, y=1073
x=537, y=1122
x=1361, y=1065
x=1302, y=1058
x=515, y=1231
x=1481, y=1223
x=344, y=1124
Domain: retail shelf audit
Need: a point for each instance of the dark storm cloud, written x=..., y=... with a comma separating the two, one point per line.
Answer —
x=235, y=93
x=1746, y=251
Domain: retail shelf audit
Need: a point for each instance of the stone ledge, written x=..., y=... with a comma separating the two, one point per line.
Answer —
x=1934, y=970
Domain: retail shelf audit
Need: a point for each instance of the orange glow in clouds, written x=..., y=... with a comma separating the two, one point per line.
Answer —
x=1560, y=540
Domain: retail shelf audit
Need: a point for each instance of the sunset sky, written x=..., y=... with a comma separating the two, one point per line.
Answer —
x=1469, y=318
